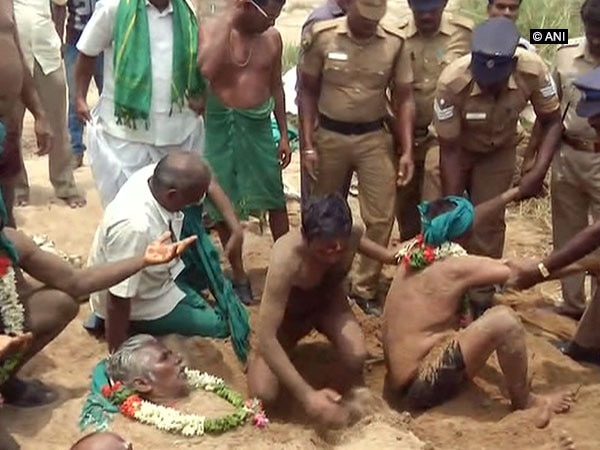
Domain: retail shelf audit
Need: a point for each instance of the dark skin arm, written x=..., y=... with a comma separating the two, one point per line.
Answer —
x=224, y=206
x=285, y=154
x=59, y=15
x=84, y=69
x=308, y=98
x=548, y=133
x=118, y=311
x=452, y=176
x=404, y=109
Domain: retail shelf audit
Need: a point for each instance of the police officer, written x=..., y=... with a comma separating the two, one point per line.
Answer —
x=347, y=66
x=478, y=101
x=575, y=182
x=434, y=38
x=585, y=346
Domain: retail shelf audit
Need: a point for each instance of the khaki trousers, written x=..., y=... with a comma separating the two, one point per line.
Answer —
x=575, y=194
x=52, y=91
x=409, y=196
x=371, y=156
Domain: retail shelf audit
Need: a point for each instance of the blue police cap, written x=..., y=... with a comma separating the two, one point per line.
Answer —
x=425, y=5
x=493, y=46
x=589, y=85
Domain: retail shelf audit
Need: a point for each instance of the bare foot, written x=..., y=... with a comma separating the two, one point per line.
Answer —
x=10, y=345
x=21, y=200
x=547, y=405
x=75, y=201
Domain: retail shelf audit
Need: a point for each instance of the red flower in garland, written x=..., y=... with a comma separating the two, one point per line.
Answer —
x=5, y=263
x=130, y=406
x=429, y=254
x=106, y=391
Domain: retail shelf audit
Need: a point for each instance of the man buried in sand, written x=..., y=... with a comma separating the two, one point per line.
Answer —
x=426, y=358
x=305, y=290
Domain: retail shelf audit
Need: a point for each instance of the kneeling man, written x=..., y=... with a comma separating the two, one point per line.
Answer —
x=305, y=290
x=168, y=298
x=426, y=358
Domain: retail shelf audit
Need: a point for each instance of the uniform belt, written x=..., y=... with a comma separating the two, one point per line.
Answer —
x=349, y=128
x=582, y=144
x=421, y=132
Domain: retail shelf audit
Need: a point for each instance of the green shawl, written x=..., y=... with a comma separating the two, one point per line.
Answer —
x=132, y=65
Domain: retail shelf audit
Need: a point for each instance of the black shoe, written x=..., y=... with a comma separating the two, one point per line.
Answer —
x=369, y=307
x=578, y=353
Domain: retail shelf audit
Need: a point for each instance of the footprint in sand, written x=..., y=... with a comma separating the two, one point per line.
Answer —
x=565, y=442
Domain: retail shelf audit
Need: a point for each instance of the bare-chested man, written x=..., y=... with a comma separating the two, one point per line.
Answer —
x=305, y=290
x=427, y=359
x=16, y=83
x=239, y=53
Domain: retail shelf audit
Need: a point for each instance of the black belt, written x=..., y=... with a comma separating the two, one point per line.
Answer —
x=349, y=128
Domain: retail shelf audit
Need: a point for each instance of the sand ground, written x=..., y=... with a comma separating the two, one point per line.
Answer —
x=479, y=419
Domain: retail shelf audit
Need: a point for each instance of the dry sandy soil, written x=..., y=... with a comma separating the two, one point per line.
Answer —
x=478, y=419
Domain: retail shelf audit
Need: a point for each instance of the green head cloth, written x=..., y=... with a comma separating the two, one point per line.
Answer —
x=449, y=225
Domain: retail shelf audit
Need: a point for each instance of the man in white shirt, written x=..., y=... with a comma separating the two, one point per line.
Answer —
x=167, y=299
x=41, y=48
x=143, y=112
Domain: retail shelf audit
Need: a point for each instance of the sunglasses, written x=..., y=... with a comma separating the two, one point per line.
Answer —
x=260, y=10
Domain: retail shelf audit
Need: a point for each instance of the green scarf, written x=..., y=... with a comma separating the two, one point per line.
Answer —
x=448, y=226
x=132, y=65
x=98, y=412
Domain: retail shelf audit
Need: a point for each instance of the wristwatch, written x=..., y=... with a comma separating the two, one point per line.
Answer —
x=543, y=270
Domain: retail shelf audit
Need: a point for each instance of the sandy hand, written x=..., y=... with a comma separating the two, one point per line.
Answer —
x=162, y=251
x=9, y=345
x=326, y=407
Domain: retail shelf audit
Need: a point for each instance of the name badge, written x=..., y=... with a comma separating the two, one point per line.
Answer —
x=476, y=116
x=337, y=56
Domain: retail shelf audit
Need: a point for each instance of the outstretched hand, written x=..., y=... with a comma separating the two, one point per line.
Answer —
x=162, y=250
x=524, y=273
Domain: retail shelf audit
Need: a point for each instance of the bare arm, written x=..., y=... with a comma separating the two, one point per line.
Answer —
x=59, y=14
x=118, y=312
x=56, y=273
x=310, y=90
x=219, y=198
x=487, y=209
x=272, y=309
x=451, y=173
x=404, y=110
x=213, y=48
x=375, y=251
x=279, y=97
x=84, y=69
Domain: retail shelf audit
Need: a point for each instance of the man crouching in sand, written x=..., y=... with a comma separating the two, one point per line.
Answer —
x=305, y=290
x=426, y=358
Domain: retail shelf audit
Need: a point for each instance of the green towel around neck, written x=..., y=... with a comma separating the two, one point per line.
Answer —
x=132, y=60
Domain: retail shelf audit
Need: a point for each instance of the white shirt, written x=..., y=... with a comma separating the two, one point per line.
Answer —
x=130, y=222
x=165, y=128
x=37, y=34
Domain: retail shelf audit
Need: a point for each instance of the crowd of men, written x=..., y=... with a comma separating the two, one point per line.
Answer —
x=424, y=109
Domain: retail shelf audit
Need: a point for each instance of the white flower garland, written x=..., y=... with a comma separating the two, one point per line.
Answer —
x=11, y=309
x=171, y=420
x=449, y=249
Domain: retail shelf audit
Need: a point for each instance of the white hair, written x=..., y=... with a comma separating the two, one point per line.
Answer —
x=128, y=363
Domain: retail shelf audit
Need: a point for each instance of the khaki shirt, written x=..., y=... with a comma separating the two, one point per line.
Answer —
x=354, y=75
x=572, y=60
x=485, y=122
x=429, y=55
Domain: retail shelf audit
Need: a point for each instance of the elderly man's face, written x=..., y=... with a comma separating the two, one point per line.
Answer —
x=167, y=380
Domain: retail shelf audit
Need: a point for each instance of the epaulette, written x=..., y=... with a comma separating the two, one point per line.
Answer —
x=393, y=30
x=456, y=75
x=572, y=43
x=461, y=21
x=309, y=37
x=529, y=62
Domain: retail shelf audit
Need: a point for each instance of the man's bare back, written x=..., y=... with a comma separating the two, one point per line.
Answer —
x=11, y=65
x=240, y=68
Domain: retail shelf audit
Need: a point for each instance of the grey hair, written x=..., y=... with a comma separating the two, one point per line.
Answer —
x=128, y=363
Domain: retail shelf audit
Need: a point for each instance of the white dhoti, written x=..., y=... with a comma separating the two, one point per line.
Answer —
x=113, y=160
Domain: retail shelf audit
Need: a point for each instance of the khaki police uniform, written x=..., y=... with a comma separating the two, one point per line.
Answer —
x=575, y=182
x=350, y=136
x=428, y=56
x=485, y=127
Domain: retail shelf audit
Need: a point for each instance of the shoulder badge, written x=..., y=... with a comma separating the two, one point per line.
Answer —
x=572, y=43
x=461, y=21
x=309, y=37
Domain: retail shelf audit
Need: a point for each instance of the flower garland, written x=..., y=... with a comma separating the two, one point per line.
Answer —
x=169, y=419
x=418, y=255
x=12, y=313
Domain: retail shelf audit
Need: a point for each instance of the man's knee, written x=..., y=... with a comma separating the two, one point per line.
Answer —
x=505, y=322
x=65, y=307
x=355, y=360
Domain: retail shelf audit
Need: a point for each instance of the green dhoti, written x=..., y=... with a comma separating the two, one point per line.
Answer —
x=242, y=154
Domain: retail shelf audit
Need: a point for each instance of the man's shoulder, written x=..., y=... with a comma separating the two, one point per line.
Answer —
x=320, y=30
x=529, y=63
x=567, y=52
x=393, y=31
x=456, y=75
x=572, y=44
x=459, y=22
